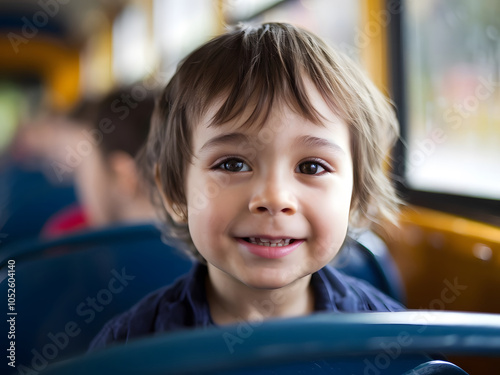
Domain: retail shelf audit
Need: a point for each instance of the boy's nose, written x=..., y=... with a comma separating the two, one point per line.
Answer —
x=273, y=198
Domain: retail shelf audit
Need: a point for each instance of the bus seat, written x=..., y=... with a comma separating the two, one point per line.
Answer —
x=367, y=257
x=113, y=235
x=68, y=288
x=436, y=368
x=27, y=200
x=357, y=343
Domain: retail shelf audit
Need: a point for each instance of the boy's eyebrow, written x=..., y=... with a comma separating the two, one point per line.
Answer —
x=313, y=142
x=305, y=140
x=224, y=139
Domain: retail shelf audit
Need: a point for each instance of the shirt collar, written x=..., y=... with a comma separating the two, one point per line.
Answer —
x=197, y=296
x=323, y=292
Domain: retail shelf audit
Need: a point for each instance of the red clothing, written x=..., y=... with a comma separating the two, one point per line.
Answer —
x=69, y=219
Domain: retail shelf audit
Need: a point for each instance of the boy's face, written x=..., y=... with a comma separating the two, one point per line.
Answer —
x=269, y=206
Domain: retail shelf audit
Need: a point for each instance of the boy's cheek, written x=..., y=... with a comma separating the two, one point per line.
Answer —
x=330, y=229
x=330, y=242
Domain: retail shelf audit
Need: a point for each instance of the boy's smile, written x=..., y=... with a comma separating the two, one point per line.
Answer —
x=270, y=248
x=268, y=206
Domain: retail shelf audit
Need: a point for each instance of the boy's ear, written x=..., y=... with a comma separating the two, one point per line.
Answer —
x=173, y=209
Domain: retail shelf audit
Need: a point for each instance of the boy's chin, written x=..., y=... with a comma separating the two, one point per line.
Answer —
x=272, y=283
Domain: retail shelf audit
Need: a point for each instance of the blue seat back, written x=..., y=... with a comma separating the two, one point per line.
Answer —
x=358, y=343
x=436, y=368
x=367, y=257
x=67, y=289
x=27, y=200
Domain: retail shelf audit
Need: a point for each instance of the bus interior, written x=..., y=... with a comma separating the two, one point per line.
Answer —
x=439, y=63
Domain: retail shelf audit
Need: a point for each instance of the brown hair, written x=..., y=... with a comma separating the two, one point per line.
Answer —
x=257, y=67
x=130, y=120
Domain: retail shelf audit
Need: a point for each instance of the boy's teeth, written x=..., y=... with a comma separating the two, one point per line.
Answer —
x=268, y=242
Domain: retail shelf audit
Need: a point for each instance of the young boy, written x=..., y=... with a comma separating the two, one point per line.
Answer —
x=265, y=147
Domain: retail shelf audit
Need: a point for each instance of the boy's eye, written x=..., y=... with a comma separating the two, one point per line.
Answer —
x=234, y=165
x=310, y=167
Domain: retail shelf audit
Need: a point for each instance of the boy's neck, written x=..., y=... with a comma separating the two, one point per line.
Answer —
x=138, y=210
x=230, y=301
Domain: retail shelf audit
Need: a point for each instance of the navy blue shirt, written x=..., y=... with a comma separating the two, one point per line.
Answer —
x=184, y=305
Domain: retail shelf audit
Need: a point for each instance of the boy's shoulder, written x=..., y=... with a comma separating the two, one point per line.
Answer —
x=177, y=306
x=340, y=292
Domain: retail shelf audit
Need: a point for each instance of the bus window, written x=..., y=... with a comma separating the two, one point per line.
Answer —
x=451, y=61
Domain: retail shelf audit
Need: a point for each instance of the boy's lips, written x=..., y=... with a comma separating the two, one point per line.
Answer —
x=270, y=247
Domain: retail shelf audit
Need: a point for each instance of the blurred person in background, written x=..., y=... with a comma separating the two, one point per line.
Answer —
x=107, y=137
x=106, y=176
